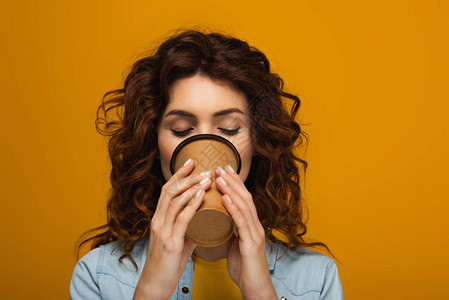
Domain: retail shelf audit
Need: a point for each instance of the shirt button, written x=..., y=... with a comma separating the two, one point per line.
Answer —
x=185, y=290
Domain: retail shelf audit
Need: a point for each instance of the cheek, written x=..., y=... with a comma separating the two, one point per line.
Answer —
x=245, y=151
x=165, y=150
x=166, y=145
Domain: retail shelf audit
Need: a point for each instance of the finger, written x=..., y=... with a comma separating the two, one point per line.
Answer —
x=182, y=200
x=236, y=185
x=242, y=206
x=184, y=217
x=239, y=219
x=229, y=170
x=235, y=178
x=183, y=171
x=180, y=173
x=190, y=183
x=180, y=181
x=177, y=184
x=219, y=171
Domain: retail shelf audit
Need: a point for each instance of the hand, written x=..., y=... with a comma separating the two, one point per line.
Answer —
x=247, y=261
x=168, y=249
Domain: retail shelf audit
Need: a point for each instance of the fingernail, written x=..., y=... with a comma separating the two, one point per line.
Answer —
x=205, y=173
x=227, y=197
x=187, y=162
x=222, y=180
x=230, y=169
x=204, y=180
x=197, y=195
x=221, y=170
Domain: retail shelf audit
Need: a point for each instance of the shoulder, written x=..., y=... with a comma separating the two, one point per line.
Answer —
x=306, y=258
x=100, y=269
x=304, y=271
x=124, y=271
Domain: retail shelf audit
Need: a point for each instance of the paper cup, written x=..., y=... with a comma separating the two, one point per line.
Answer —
x=211, y=225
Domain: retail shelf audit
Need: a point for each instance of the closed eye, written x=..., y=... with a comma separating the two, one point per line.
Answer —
x=230, y=131
x=187, y=131
x=181, y=133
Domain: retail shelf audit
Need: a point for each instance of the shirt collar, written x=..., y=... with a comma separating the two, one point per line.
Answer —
x=271, y=254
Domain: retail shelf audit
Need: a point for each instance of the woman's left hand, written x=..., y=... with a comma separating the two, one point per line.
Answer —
x=247, y=261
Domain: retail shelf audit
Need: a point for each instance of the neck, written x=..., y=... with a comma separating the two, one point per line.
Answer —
x=211, y=254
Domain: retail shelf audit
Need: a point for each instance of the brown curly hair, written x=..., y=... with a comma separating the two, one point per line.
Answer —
x=136, y=176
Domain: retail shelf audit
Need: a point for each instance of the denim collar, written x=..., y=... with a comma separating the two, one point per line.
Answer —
x=271, y=254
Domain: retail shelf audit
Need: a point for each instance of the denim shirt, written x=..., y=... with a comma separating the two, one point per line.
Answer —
x=303, y=274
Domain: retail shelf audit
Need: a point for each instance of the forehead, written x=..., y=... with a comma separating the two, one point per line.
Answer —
x=201, y=95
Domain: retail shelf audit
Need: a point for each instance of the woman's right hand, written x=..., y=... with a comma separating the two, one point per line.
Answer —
x=169, y=249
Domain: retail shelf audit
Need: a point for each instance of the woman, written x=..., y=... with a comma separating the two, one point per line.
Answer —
x=199, y=83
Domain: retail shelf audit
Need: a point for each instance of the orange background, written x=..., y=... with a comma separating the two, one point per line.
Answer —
x=370, y=76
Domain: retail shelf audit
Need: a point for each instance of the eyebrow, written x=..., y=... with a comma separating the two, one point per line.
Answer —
x=184, y=113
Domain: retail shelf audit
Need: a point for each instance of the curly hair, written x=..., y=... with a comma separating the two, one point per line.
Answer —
x=136, y=176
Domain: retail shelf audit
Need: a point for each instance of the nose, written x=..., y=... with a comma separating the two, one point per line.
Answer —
x=205, y=128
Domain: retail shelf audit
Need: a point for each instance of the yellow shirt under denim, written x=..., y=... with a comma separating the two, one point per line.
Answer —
x=211, y=281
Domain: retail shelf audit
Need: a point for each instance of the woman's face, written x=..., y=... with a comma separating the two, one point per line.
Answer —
x=198, y=105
